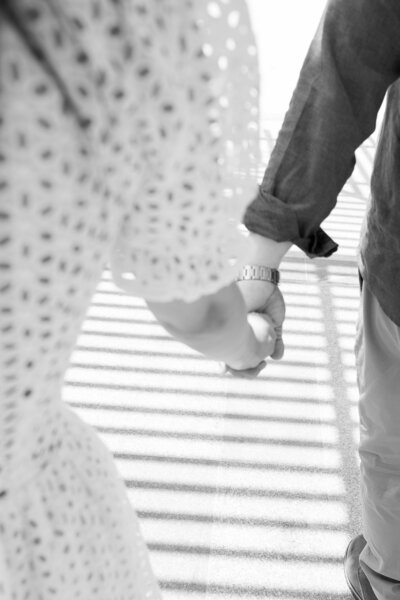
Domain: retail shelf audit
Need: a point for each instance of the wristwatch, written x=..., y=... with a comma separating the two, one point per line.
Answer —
x=259, y=273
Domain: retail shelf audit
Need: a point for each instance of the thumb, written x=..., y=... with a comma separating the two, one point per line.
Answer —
x=279, y=350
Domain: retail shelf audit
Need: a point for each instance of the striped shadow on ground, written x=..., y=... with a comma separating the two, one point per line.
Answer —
x=245, y=489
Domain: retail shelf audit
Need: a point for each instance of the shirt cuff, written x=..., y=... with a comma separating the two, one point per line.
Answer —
x=270, y=217
x=318, y=243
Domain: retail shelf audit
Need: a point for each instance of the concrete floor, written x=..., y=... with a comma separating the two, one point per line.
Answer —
x=245, y=489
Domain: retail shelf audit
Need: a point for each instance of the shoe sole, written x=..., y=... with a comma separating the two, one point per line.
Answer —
x=352, y=589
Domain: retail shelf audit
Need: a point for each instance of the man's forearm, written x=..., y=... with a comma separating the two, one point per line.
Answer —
x=265, y=251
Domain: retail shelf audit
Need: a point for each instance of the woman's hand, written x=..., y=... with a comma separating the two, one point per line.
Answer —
x=220, y=327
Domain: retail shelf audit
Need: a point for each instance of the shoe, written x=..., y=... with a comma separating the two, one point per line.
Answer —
x=356, y=579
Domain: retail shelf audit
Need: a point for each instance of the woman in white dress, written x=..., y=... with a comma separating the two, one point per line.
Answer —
x=127, y=134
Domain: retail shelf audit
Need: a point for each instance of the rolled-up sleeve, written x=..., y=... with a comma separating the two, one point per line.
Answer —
x=353, y=59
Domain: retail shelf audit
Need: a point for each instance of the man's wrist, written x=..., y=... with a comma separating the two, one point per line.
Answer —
x=265, y=251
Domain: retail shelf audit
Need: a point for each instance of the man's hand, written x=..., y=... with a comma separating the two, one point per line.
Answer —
x=264, y=331
x=264, y=298
x=275, y=309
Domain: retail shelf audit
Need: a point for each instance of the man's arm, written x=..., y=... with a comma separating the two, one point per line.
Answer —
x=353, y=59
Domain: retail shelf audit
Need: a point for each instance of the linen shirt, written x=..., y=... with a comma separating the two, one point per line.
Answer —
x=353, y=60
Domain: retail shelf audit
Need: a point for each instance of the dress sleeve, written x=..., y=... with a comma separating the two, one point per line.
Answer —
x=197, y=130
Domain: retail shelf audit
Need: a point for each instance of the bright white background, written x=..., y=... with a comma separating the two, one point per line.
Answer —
x=284, y=30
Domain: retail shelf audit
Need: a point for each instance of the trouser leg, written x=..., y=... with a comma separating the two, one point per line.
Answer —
x=378, y=368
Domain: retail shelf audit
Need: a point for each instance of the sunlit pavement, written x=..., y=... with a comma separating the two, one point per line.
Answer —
x=245, y=489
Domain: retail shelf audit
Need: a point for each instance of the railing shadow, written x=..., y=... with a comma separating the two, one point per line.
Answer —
x=245, y=489
x=229, y=477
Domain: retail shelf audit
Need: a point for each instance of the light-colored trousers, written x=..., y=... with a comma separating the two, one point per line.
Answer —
x=378, y=368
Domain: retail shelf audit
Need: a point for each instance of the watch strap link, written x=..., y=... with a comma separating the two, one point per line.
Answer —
x=259, y=273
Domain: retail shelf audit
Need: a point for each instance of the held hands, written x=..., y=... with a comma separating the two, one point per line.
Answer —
x=266, y=308
x=240, y=325
x=266, y=299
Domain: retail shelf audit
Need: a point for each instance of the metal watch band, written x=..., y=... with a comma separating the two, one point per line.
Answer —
x=260, y=273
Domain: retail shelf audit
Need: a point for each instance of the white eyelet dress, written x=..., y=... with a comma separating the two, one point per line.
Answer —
x=150, y=171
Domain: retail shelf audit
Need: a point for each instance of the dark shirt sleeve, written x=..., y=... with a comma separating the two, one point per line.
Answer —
x=353, y=59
